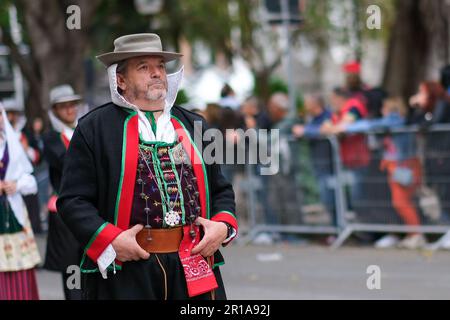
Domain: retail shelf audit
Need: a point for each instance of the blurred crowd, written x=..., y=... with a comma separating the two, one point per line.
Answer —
x=367, y=122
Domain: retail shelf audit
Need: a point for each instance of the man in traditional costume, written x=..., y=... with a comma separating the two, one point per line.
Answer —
x=136, y=192
x=63, y=250
x=19, y=254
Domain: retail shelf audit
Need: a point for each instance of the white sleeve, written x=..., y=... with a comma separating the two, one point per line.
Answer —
x=27, y=184
x=105, y=259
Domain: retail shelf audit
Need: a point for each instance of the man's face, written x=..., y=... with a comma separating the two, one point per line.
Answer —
x=276, y=112
x=144, y=79
x=66, y=111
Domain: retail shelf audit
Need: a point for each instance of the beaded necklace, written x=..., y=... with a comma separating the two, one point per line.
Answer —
x=171, y=217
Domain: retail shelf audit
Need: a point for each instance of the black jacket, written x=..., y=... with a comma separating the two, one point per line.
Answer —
x=54, y=152
x=99, y=177
x=63, y=249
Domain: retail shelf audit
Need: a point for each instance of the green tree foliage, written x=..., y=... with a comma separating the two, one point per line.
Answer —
x=182, y=97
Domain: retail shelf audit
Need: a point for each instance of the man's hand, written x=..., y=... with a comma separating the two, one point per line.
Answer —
x=215, y=234
x=9, y=187
x=298, y=130
x=126, y=246
x=326, y=128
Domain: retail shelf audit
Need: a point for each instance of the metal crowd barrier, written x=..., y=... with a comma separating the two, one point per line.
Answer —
x=297, y=199
x=289, y=201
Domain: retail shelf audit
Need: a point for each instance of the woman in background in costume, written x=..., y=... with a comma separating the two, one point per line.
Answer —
x=19, y=254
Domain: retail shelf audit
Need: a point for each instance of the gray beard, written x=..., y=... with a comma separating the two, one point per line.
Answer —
x=156, y=96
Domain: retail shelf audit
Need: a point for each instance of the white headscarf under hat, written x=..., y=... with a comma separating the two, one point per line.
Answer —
x=11, y=104
x=164, y=129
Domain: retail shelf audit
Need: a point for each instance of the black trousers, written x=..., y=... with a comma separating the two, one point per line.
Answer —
x=70, y=294
x=161, y=277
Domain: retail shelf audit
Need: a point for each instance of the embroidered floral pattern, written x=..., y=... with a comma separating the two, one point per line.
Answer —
x=195, y=267
x=19, y=252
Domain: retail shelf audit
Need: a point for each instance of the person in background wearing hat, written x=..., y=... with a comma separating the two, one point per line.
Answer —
x=19, y=254
x=136, y=191
x=371, y=98
x=63, y=249
x=19, y=123
x=353, y=83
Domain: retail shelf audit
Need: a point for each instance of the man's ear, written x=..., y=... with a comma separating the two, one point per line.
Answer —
x=121, y=82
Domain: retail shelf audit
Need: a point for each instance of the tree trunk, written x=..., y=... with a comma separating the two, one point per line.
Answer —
x=418, y=45
x=262, y=85
x=57, y=53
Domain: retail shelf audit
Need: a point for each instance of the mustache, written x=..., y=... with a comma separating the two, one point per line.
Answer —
x=161, y=82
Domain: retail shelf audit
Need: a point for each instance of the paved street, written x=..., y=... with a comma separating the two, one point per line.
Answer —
x=316, y=272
